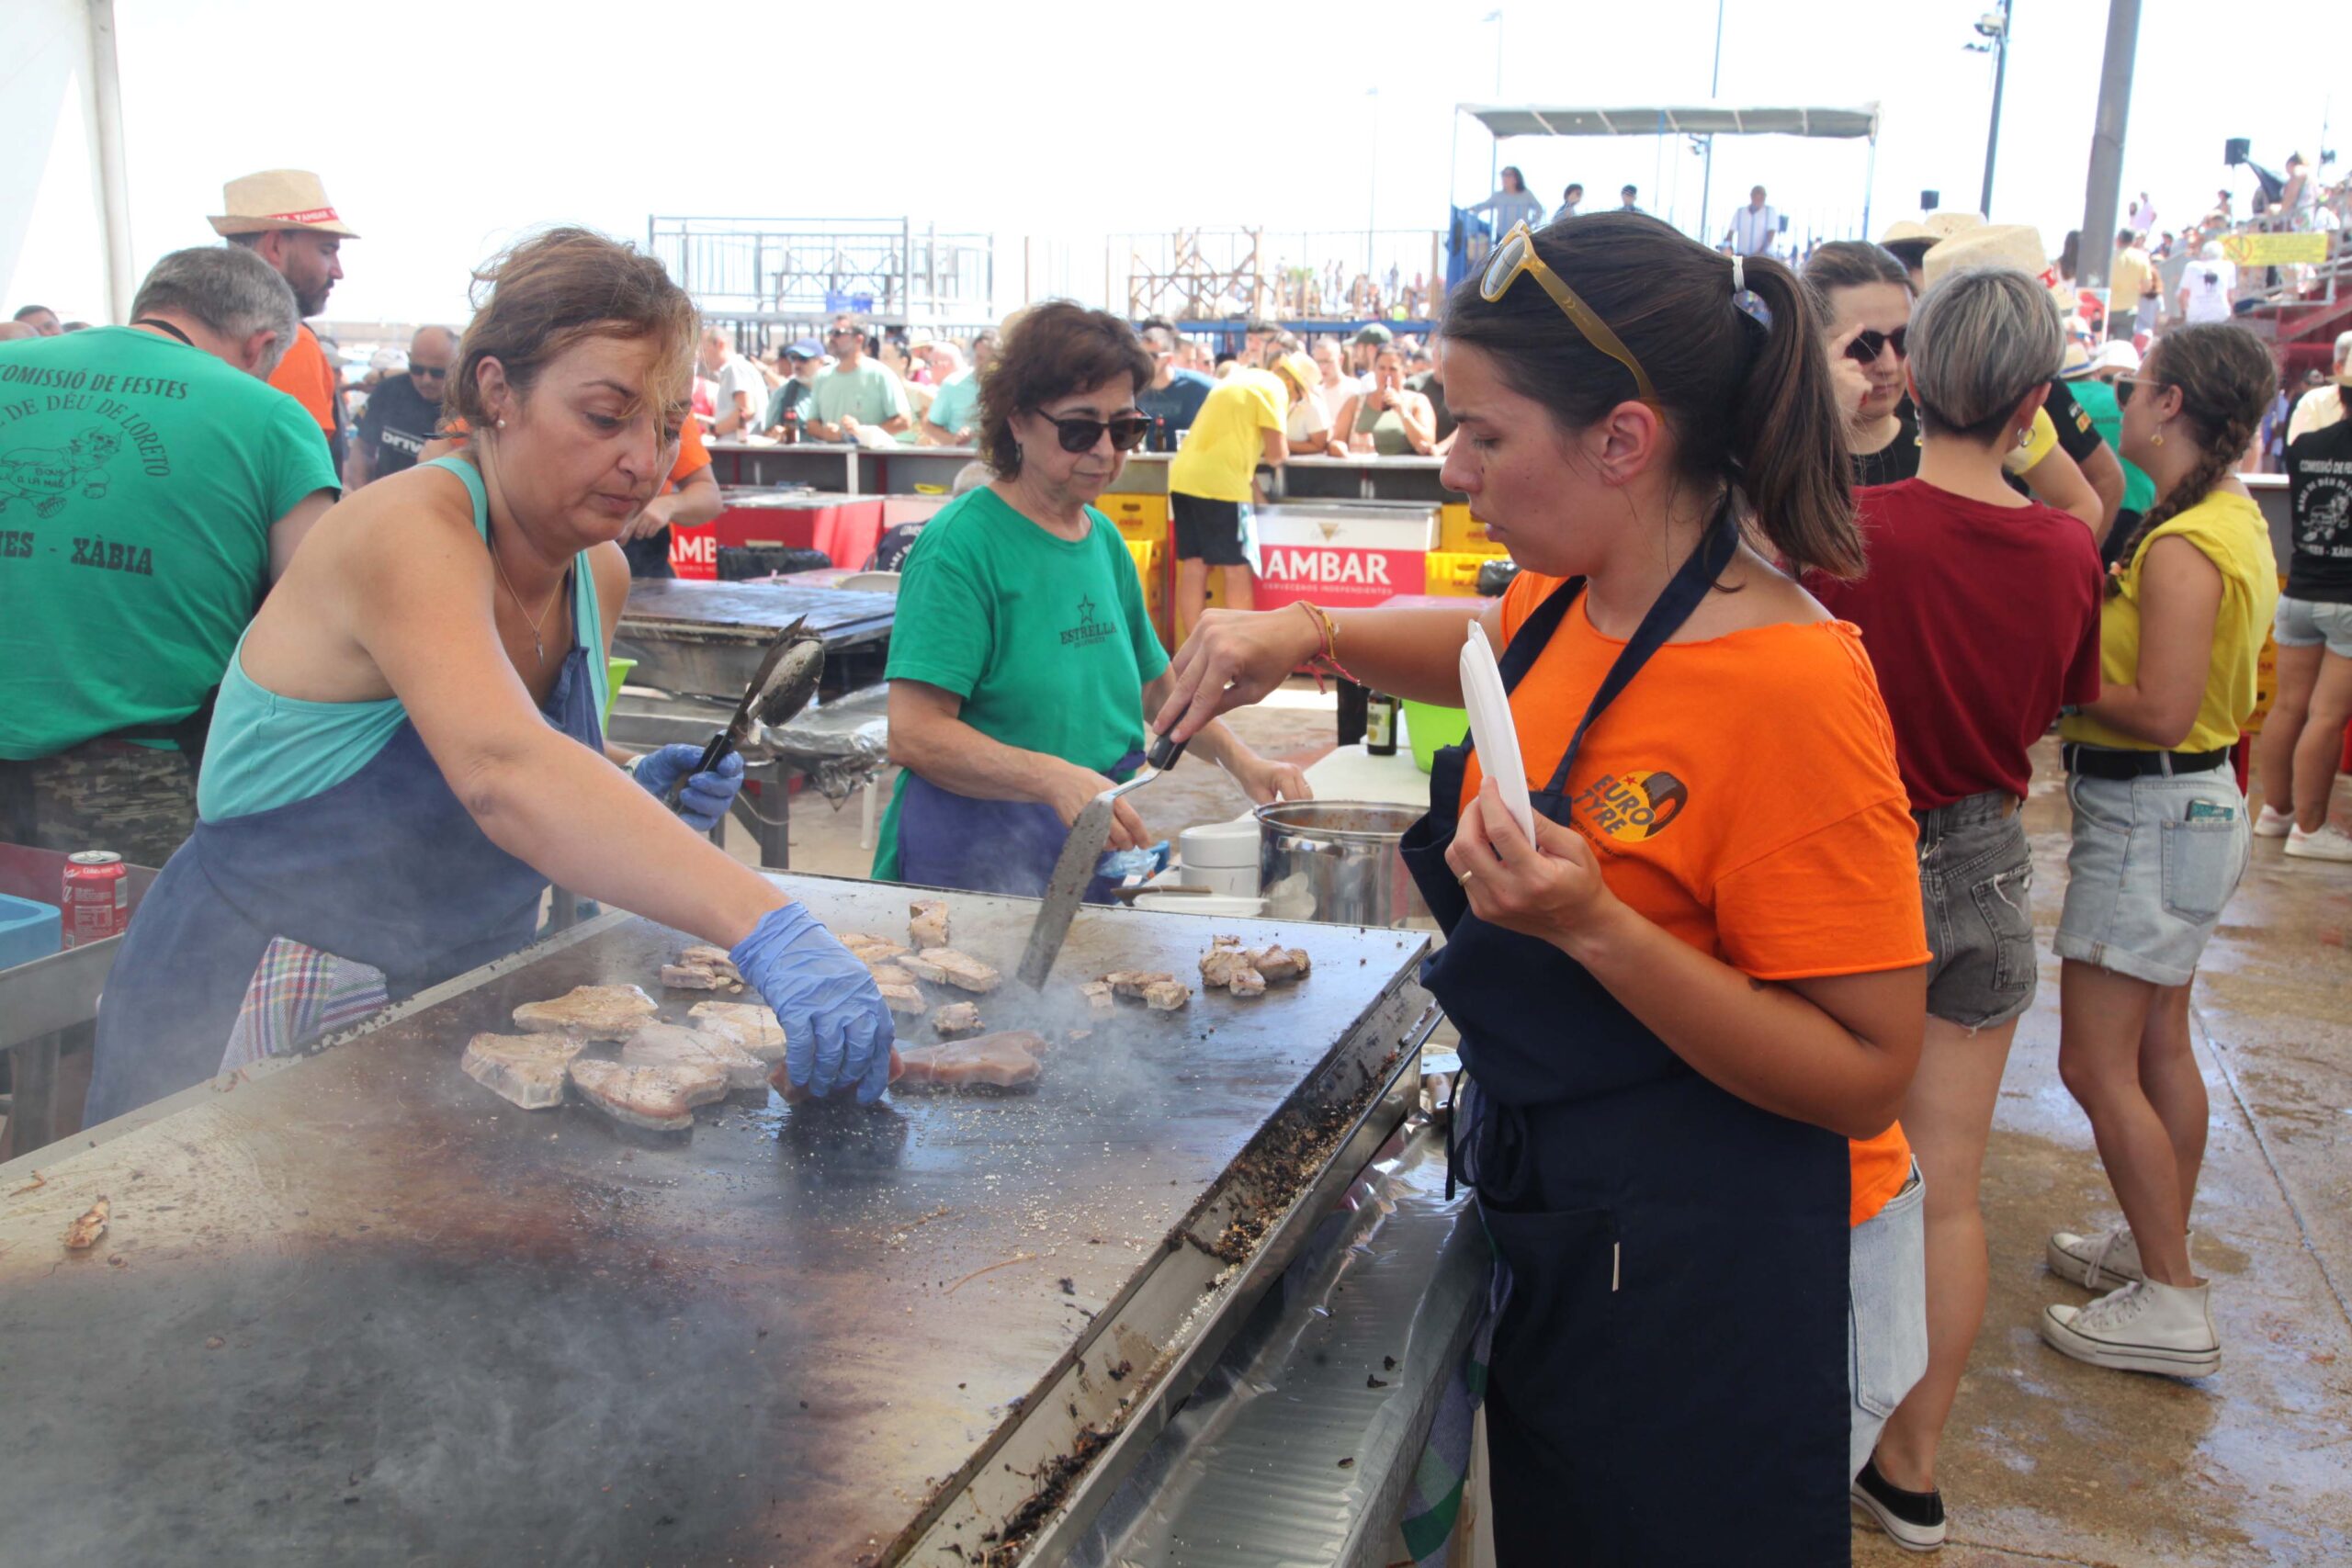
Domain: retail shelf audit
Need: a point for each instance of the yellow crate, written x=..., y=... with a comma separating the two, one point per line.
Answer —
x=1139, y=516
x=1452, y=571
x=1457, y=533
x=1145, y=553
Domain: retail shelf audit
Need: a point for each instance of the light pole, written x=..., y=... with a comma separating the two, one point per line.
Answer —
x=1714, y=89
x=1495, y=144
x=1372, y=195
x=1993, y=31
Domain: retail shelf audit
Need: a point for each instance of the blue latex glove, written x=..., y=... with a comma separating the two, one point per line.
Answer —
x=703, y=803
x=836, y=1031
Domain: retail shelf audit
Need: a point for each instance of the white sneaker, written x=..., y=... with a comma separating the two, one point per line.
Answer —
x=2098, y=1262
x=2330, y=842
x=2269, y=824
x=2143, y=1327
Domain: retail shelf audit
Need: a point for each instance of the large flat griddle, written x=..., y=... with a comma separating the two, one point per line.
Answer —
x=703, y=638
x=366, y=1313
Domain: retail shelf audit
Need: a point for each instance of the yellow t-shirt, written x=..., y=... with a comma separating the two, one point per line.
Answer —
x=2128, y=279
x=1221, y=450
x=2229, y=529
x=2040, y=443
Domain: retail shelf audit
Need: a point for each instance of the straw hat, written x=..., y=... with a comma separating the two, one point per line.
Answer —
x=1906, y=230
x=1944, y=225
x=278, y=198
x=1301, y=369
x=1987, y=244
x=2075, y=361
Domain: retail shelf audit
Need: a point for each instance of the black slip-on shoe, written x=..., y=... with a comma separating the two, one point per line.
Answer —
x=1914, y=1520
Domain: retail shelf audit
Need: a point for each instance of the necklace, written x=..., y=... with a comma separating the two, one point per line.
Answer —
x=539, y=644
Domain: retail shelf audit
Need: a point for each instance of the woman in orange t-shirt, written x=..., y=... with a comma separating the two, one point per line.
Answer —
x=1691, y=1006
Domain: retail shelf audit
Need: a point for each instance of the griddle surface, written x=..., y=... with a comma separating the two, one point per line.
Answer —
x=452, y=1331
x=835, y=613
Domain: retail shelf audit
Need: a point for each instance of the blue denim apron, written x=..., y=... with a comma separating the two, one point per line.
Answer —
x=386, y=868
x=1668, y=1381
x=947, y=840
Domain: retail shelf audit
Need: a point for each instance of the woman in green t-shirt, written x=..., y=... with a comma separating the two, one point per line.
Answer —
x=1392, y=420
x=1022, y=658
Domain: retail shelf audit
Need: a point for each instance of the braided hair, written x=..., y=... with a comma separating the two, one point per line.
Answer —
x=2226, y=378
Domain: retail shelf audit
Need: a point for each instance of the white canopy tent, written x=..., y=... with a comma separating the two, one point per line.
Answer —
x=1704, y=120
x=64, y=207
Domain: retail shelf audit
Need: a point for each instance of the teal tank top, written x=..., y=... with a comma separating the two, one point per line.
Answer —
x=266, y=750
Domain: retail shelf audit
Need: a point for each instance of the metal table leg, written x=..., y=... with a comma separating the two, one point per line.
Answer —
x=769, y=817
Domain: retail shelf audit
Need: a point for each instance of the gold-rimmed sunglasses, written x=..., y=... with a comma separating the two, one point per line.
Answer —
x=1515, y=254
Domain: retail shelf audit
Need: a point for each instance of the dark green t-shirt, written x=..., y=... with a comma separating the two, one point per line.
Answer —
x=138, y=479
x=1046, y=639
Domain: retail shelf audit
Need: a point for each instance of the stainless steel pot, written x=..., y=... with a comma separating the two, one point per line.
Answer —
x=1336, y=861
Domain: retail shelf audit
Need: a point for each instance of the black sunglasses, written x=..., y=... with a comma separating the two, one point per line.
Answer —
x=1868, y=344
x=1080, y=434
x=2124, y=384
x=433, y=370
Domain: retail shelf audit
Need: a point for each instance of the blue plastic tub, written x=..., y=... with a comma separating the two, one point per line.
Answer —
x=28, y=930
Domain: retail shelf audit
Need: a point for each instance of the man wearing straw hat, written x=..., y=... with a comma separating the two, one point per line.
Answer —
x=284, y=217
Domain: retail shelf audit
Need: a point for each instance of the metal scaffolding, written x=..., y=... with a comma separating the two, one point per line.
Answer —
x=1220, y=274
x=782, y=270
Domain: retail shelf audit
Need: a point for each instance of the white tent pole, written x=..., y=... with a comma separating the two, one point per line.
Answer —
x=105, y=146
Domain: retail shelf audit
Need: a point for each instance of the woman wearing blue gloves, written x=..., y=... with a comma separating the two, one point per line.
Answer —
x=408, y=745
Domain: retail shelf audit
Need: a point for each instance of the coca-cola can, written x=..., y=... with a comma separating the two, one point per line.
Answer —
x=96, y=901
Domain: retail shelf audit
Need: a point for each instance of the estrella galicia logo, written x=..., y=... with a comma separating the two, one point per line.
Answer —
x=1631, y=808
x=1088, y=629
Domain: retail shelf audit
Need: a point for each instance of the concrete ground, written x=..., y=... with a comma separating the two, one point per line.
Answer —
x=2048, y=1460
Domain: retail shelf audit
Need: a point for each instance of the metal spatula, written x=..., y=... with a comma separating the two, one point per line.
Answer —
x=1074, y=867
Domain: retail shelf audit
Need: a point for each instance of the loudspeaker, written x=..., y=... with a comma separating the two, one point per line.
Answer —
x=1930, y=200
x=2233, y=151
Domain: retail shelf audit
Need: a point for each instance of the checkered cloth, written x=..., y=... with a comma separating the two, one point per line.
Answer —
x=1433, y=1505
x=296, y=995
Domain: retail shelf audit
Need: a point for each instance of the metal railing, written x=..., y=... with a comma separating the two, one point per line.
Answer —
x=785, y=269
x=1203, y=273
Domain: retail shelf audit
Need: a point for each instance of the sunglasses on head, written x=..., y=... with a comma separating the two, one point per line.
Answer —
x=1868, y=344
x=1080, y=433
x=1516, y=255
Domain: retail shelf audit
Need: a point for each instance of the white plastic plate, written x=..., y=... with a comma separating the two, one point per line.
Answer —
x=1491, y=727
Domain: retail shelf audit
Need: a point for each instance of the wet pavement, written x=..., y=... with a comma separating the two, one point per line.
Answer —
x=2048, y=1460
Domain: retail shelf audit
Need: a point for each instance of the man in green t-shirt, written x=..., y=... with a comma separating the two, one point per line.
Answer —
x=856, y=393
x=152, y=485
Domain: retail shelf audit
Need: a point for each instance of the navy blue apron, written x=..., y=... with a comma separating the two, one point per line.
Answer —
x=1668, y=1381
x=947, y=840
x=387, y=868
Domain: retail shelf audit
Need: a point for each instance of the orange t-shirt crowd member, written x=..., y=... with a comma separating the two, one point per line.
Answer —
x=304, y=375
x=1773, y=835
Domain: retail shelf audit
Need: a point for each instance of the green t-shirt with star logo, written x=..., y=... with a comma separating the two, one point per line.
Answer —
x=1045, y=639
x=138, y=479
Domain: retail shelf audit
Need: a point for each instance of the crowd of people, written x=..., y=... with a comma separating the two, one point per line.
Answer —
x=1810, y=561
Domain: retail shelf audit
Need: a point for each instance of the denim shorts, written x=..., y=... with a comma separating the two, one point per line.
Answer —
x=1975, y=882
x=2145, y=881
x=2306, y=623
x=1886, y=1314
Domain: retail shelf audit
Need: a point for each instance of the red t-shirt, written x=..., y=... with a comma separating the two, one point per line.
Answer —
x=1981, y=621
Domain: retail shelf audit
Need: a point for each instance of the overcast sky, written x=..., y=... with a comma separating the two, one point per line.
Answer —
x=442, y=127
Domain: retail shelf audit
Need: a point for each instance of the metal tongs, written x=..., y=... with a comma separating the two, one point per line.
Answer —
x=781, y=686
x=1074, y=868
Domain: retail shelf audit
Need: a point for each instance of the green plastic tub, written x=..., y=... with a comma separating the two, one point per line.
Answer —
x=1428, y=727
x=615, y=671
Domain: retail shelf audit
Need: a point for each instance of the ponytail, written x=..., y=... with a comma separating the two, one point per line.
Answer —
x=1788, y=437
x=1751, y=404
x=2225, y=378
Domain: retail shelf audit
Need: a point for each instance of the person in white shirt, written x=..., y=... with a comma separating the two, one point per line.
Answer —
x=1308, y=426
x=738, y=392
x=2208, y=285
x=1755, y=229
x=2322, y=406
x=2143, y=216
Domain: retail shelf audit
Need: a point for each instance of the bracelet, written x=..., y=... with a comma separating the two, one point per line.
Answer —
x=1328, y=631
